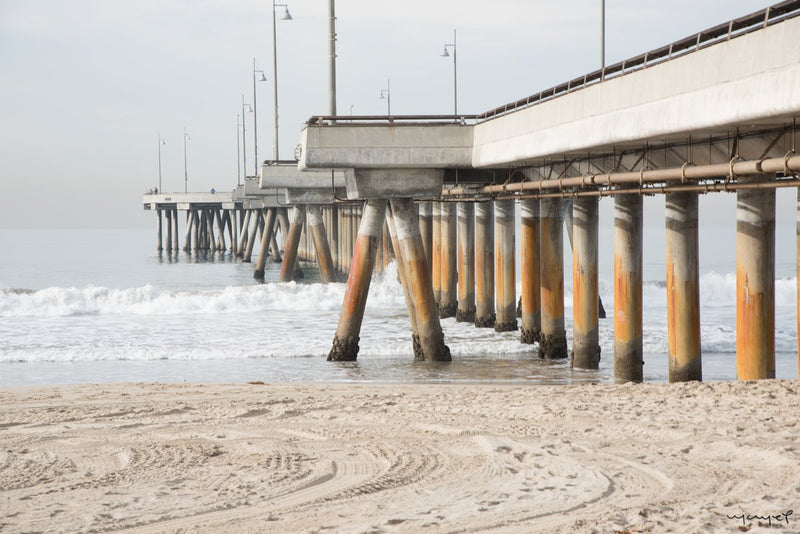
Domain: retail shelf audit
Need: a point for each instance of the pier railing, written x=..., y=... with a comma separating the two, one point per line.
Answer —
x=717, y=34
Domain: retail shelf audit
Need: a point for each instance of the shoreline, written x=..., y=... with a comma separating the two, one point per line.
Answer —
x=356, y=457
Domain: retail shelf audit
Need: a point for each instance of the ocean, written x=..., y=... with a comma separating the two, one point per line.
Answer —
x=102, y=305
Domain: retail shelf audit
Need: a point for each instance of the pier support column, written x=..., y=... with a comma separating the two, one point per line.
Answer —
x=553, y=339
x=292, y=243
x=345, y=342
x=196, y=231
x=529, y=245
x=466, y=263
x=448, y=302
x=436, y=251
x=255, y=223
x=187, y=240
x=484, y=264
x=628, y=364
x=159, y=244
x=245, y=226
x=506, y=268
x=266, y=238
x=426, y=230
x=333, y=237
x=327, y=271
x=415, y=265
x=585, y=332
x=403, y=276
x=797, y=261
x=168, y=215
x=755, y=284
x=683, y=288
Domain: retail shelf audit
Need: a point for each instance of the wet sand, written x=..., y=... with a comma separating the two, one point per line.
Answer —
x=401, y=458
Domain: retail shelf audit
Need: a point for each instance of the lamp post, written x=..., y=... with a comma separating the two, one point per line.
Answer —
x=245, y=107
x=386, y=94
x=455, y=71
x=185, y=171
x=286, y=16
x=255, y=112
x=160, y=142
x=238, y=153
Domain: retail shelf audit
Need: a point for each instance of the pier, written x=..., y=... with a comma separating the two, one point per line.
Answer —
x=713, y=113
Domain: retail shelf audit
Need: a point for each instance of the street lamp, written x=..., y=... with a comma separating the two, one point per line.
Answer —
x=185, y=171
x=245, y=107
x=455, y=71
x=286, y=16
x=160, y=142
x=255, y=112
x=386, y=94
x=238, y=153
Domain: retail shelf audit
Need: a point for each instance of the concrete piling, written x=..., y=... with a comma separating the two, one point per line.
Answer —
x=243, y=236
x=327, y=272
x=159, y=244
x=448, y=296
x=505, y=270
x=628, y=364
x=683, y=287
x=436, y=251
x=168, y=214
x=345, y=342
x=426, y=229
x=412, y=252
x=466, y=263
x=187, y=240
x=333, y=236
x=484, y=265
x=553, y=339
x=585, y=298
x=288, y=266
x=403, y=276
x=529, y=251
x=755, y=284
x=266, y=238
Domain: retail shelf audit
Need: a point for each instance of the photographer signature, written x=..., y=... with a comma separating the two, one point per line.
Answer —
x=778, y=518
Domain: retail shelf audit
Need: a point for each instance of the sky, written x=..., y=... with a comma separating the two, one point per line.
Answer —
x=88, y=86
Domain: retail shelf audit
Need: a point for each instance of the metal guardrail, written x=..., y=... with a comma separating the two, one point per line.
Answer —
x=320, y=120
x=720, y=33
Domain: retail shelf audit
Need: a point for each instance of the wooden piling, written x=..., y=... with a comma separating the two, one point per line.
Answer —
x=412, y=252
x=683, y=288
x=628, y=363
x=484, y=265
x=448, y=296
x=505, y=266
x=345, y=342
x=755, y=284
x=585, y=296
x=530, y=285
x=466, y=263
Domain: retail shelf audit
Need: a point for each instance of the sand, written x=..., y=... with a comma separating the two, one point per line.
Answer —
x=401, y=458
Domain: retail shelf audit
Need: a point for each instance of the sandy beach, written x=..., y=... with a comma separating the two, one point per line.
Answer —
x=401, y=458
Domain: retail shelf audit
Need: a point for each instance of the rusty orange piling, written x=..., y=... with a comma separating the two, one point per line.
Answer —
x=448, y=297
x=628, y=364
x=585, y=298
x=529, y=252
x=683, y=288
x=436, y=251
x=466, y=263
x=553, y=339
x=426, y=229
x=505, y=266
x=266, y=238
x=345, y=342
x=403, y=276
x=484, y=264
x=292, y=242
x=412, y=252
x=755, y=284
x=327, y=272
